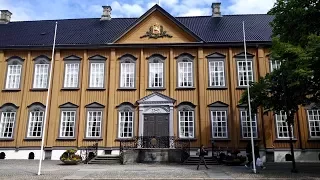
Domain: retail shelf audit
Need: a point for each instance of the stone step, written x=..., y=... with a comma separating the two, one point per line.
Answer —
x=105, y=159
x=194, y=160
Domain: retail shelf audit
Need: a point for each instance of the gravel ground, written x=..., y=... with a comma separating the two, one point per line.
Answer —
x=27, y=169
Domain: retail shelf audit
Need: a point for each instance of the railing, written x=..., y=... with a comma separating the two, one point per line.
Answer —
x=153, y=142
x=89, y=152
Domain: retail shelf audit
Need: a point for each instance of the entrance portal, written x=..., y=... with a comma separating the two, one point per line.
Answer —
x=156, y=131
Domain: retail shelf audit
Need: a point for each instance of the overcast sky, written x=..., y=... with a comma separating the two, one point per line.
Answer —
x=68, y=9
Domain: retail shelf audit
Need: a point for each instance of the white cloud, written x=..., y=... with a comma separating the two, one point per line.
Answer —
x=196, y=12
x=127, y=10
x=250, y=6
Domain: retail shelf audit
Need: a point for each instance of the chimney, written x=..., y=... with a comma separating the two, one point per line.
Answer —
x=5, y=16
x=106, y=14
x=216, y=9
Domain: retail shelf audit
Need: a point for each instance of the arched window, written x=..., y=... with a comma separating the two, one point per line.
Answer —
x=14, y=70
x=185, y=70
x=127, y=71
x=186, y=118
x=36, y=118
x=7, y=121
x=41, y=72
x=156, y=71
x=125, y=120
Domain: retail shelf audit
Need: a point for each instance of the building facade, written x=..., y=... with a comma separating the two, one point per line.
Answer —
x=157, y=75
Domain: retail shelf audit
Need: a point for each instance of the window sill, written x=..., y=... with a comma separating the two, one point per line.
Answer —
x=32, y=139
x=248, y=139
x=6, y=139
x=220, y=139
x=66, y=139
x=11, y=90
x=241, y=87
x=285, y=139
x=217, y=88
x=185, y=88
x=187, y=139
x=96, y=89
x=314, y=139
x=93, y=139
x=127, y=89
x=156, y=89
x=38, y=89
x=70, y=89
x=124, y=139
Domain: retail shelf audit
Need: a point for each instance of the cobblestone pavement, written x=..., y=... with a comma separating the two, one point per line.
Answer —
x=27, y=169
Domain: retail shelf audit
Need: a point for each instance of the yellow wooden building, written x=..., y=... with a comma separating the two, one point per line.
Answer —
x=115, y=79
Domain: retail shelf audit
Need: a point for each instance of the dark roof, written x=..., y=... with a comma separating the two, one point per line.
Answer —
x=92, y=31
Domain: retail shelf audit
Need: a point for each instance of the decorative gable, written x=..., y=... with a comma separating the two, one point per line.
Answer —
x=156, y=98
x=72, y=58
x=95, y=105
x=97, y=57
x=218, y=104
x=216, y=55
x=68, y=105
x=242, y=55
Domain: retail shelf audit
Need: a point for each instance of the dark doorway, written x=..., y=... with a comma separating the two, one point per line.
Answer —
x=31, y=155
x=156, y=131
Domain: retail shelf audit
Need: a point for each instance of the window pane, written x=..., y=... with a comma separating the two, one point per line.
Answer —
x=96, y=75
x=156, y=74
x=185, y=74
x=35, y=123
x=7, y=124
x=282, y=125
x=13, y=76
x=94, y=123
x=71, y=75
x=41, y=76
x=219, y=124
x=125, y=124
x=127, y=75
x=314, y=123
x=186, y=122
x=245, y=121
x=216, y=73
x=67, y=123
x=243, y=67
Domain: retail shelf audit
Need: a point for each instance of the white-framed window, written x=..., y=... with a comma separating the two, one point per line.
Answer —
x=127, y=75
x=97, y=75
x=243, y=68
x=216, y=73
x=94, y=123
x=35, y=124
x=126, y=124
x=282, y=125
x=41, y=72
x=274, y=64
x=185, y=74
x=7, y=124
x=71, y=76
x=245, y=125
x=186, y=120
x=13, y=76
x=219, y=124
x=155, y=75
x=314, y=123
x=67, y=126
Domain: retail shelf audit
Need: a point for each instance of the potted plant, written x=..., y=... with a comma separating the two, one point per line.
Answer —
x=70, y=157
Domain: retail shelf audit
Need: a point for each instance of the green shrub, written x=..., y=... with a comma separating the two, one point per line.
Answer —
x=70, y=155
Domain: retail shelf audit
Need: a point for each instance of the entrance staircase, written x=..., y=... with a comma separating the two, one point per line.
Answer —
x=105, y=159
x=194, y=160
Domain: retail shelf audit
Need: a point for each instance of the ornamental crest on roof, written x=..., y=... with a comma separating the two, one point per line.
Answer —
x=156, y=31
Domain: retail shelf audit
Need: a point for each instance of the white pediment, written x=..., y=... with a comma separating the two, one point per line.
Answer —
x=156, y=98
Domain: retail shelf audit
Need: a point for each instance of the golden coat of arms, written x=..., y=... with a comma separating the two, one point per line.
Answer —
x=156, y=31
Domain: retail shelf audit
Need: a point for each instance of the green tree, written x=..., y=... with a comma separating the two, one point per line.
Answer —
x=296, y=43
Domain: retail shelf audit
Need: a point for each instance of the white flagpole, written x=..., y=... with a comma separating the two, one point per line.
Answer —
x=249, y=99
x=48, y=97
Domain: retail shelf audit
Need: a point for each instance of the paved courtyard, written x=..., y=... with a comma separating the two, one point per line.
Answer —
x=27, y=169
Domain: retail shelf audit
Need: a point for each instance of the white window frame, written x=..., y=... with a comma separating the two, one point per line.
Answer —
x=62, y=133
x=216, y=120
x=35, y=118
x=274, y=64
x=313, y=116
x=217, y=72
x=97, y=71
x=243, y=72
x=123, y=121
x=156, y=69
x=185, y=70
x=127, y=78
x=14, y=73
x=186, y=121
x=245, y=125
x=71, y=75
x=41, y=75
x=8, y=117
x=282, y=125
x=91, y=121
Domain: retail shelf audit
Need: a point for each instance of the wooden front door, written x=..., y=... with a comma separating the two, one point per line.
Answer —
x=156, y=131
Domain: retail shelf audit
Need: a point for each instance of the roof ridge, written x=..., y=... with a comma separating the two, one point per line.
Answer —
x=71, y=19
